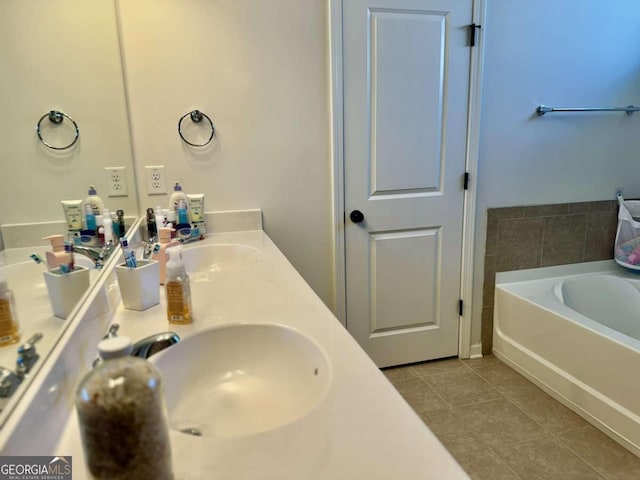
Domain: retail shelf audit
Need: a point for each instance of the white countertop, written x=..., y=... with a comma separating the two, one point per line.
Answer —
x=363, y=429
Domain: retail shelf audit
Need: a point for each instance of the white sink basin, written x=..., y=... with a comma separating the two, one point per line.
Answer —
x=223, y=257
x=242, y=379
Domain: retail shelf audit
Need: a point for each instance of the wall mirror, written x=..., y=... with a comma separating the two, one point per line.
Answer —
x=61, y=55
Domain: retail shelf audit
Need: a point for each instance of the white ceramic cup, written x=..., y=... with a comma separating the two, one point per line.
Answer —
x=66, y=289
x=140, y=286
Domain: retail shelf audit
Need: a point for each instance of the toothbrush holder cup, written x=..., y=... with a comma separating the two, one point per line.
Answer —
x=140, y=286
x=66, y=289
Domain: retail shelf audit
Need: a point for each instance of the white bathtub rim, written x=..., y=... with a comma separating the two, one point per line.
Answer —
x=545, y=297
x=611, y=411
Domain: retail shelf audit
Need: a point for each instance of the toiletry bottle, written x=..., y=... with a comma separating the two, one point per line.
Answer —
x=58, y=255
x=176, y=196
x=89, y=219
x=161, y=255
x=100, y=229
x=160, y=220
x=178, y=293
x=9, y=325
x=120, y=223
x=152, y=228
x=122, y=416
x=108, y=227
x=183, y=228
x=97, y=205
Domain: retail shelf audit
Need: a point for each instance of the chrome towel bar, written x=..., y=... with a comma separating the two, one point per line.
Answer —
x=629, y=109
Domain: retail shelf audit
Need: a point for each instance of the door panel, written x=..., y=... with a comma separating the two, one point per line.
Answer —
x=415, y=141
x=406, y=78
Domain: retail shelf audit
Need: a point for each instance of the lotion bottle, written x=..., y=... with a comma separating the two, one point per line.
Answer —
x=176, y=197
x=97, y=205
x=178, y=292
x=9, y=326
x=58, y=256
x=108, y=227
x=161, y=255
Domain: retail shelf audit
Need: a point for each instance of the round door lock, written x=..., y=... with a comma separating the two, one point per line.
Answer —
x=356, y=216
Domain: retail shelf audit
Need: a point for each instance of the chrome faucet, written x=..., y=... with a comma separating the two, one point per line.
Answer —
x=155, y=343
x=27, y=355
x=97, y=254
x=9, y=381
x=147, y=346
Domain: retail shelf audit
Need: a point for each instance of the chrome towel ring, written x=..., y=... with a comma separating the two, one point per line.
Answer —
x=196, y=116
x=57, y=118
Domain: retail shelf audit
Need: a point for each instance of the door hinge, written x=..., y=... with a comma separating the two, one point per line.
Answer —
x=465, y=181
x=472, y=34
x=460, y=307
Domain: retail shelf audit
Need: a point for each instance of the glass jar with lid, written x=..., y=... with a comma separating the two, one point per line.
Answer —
x=122, y=416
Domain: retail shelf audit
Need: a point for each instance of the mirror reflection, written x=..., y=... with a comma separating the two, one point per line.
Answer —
x=62, y=72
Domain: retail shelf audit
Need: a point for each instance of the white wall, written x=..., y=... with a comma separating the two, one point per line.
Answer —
x=567, y=53
x=260, y=70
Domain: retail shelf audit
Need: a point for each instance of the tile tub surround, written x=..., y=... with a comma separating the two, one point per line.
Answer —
x=543, y=236
x=499, y=425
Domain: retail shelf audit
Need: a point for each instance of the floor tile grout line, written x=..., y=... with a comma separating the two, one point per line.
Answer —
x=605, y=475
x=505, y=463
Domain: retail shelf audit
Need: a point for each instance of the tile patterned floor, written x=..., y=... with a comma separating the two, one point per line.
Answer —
x=500, y=426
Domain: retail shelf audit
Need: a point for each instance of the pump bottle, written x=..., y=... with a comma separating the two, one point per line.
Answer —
x=58, y=256
x=161, y=255
x=97, y=205
x=176, y=197
x=177, y=288
x=9, y=326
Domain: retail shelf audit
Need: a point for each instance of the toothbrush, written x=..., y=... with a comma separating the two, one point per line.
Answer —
x=129, y=255
x=68, y=248
x=38, y=259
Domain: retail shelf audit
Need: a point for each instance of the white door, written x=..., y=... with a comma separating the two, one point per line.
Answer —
x=406, y=83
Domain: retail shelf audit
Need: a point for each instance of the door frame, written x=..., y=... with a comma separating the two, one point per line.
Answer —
x=465, y=348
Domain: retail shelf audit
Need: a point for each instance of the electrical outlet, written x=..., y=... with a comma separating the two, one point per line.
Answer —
x=156, y=183
x=116, y=182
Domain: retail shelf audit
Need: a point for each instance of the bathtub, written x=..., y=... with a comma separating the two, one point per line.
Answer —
x=574, y=330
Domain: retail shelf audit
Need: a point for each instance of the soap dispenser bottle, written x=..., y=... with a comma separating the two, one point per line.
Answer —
x=122, y=416
x=176, y=197
x=161, y=255
x=97, y=205
x=177, y=288
x=9, y=326
x=58, y=256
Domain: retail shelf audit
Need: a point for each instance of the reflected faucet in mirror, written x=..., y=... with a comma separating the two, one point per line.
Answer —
x=9, y=380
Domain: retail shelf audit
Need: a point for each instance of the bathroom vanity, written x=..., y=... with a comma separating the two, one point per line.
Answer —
x=337, y=417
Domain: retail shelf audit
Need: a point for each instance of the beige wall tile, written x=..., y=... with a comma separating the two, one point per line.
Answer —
x=546, y=210
x=519, y=244
x=564, y=238
x=600, y=236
